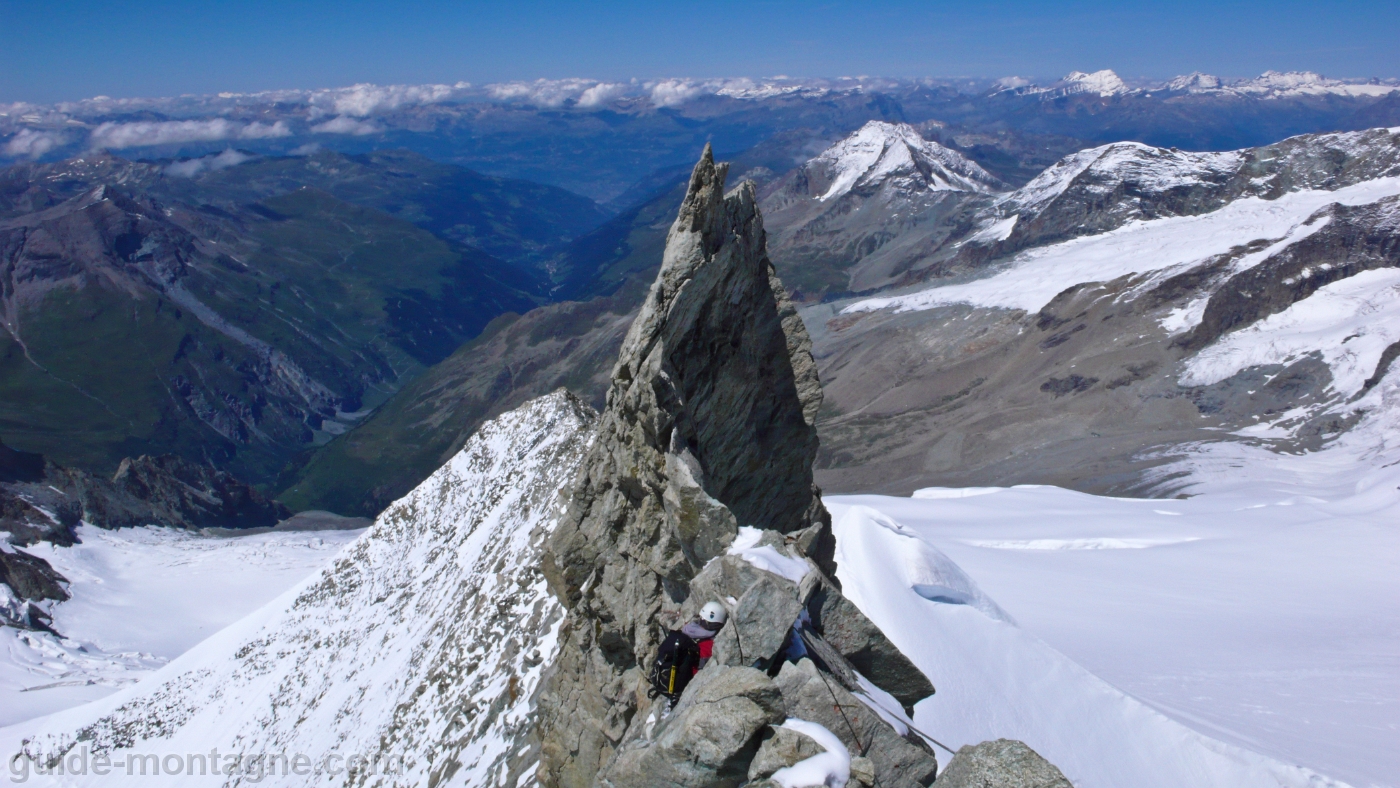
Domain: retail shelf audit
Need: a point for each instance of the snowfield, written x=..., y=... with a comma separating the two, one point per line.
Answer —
x=1224, y=640
x=141, y=597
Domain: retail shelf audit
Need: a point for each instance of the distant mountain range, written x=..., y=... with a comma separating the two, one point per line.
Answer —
x=599, y=138
x=325, y=292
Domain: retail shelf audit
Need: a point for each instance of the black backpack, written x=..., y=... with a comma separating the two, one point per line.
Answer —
x=675, y=663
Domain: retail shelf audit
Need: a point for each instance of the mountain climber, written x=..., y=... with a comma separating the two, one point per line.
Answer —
x=685, y=651
x=703, y=628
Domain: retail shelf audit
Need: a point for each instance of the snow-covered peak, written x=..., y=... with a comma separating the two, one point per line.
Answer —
x=1148, y=168
x=1104, y=83
x=895, y=153
x=1195, y=82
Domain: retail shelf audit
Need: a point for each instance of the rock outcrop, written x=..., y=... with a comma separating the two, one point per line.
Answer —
x=41, y=501
x=1003, y=763
x=192, y=495
x=24, y=580
x=31, y=577
x=708, y=428
x=709, y=739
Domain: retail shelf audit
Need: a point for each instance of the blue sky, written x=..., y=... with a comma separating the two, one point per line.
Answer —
x=68, y=49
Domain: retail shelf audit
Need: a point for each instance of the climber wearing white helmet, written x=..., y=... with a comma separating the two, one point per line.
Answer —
x=685, y=651
x=704, y=628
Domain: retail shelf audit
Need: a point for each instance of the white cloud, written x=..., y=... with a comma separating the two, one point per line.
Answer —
x=602, y=93
x=545, y=92
x=134, y=135
x=674, y=92
x=305, y=150
x=192, y=167
x=343, y=124
x=31, y=144
x=365, y=99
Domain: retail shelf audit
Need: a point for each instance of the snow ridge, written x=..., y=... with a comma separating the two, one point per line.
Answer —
x=424, y=641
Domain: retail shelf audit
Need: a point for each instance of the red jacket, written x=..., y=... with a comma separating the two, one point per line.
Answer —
x=704, y=638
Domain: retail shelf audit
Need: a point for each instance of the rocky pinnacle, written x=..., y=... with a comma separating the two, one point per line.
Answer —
x=709, y=426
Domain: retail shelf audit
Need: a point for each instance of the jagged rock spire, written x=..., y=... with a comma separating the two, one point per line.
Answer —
x=709, y=425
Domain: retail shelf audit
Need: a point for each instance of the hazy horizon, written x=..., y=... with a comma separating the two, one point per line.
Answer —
x=67, y=51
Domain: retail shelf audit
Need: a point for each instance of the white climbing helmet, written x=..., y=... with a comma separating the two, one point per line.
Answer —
x=714, y=613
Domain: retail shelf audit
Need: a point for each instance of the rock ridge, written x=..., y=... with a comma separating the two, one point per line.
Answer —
x=708, y=427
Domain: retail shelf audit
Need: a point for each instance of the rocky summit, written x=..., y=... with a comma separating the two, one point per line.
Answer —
x=709, y=429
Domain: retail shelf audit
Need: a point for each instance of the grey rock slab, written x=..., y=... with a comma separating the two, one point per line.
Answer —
x=708, y=740
x=813, y=696
x=863, y=645
x=1004, y=763
x=759, y=625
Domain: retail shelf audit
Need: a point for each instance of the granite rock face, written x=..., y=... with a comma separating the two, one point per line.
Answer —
x=1003, y=763
x=708, y=427
x=31, y=577
x=863, y=645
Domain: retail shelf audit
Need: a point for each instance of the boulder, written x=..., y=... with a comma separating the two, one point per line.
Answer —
x=708, y=740
x=863, y=771
x=863, y=645
x=759, y=625
x=781, y=748
x=898, y=761
x=1004, y=763
x=722, y=579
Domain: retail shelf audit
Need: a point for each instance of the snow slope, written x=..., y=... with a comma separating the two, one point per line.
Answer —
x=416, y=653
x=141, y=597
x=1150, y=631
x=1349, y=323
